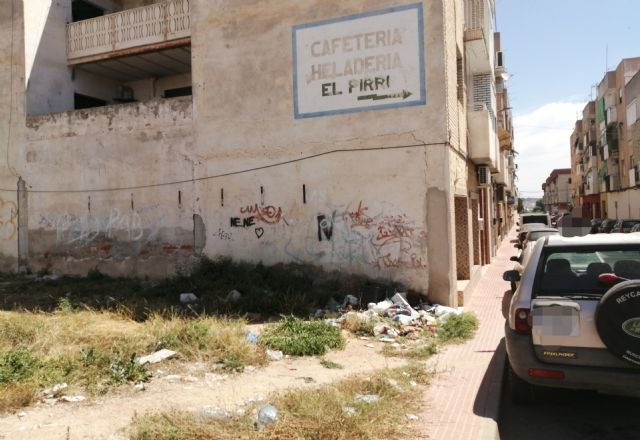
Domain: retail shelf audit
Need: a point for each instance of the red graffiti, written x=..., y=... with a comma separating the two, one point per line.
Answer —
x=359, y=218
x=266, y=214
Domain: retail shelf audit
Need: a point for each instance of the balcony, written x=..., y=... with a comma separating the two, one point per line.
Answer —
x=482, y=139
x=478, y=36
x=477, y=50
x=134, y=31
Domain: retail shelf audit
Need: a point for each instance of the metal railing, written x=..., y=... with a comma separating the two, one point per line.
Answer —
x=146, y=25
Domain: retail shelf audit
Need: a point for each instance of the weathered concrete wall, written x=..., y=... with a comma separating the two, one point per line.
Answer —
x=141, y=187
x=49, y=88
x=11, y=99
x=112, y=209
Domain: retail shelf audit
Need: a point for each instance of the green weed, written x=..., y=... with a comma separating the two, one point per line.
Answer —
x=300, y=338
x=458, y=328
x=18, y=365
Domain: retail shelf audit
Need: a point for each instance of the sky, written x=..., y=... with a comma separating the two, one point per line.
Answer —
x=557, y=51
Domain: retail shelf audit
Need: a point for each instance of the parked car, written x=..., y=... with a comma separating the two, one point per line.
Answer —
x=524, y=230
x=574, y=320
x=624, y=225
x=536, y=234
x=535, y=217
x=595, y=225
x=527, y=246
x=606, y=225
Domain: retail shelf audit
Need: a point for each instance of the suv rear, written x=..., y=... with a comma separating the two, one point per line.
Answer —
x=535, y=217
x=567, y=326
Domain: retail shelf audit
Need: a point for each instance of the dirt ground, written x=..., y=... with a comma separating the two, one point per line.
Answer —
x=107, y=417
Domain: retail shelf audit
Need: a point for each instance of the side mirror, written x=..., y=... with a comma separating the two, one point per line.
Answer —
x=515, y=258
x=511, y=275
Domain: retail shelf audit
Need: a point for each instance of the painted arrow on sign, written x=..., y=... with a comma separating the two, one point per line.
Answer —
x=375, y=97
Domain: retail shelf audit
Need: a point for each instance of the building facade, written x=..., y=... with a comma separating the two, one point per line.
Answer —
x=604, y=147
x=557, y=192
x=137, y=136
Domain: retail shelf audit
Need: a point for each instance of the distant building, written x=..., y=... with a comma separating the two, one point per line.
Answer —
x=605, y=147
x=557, y=191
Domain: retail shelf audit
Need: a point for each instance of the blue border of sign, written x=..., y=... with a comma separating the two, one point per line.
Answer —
x=423, y=94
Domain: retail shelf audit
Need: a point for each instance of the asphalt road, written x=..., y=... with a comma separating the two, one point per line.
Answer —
x=569, y=415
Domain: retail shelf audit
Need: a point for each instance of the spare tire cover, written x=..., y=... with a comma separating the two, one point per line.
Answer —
x=618, y=320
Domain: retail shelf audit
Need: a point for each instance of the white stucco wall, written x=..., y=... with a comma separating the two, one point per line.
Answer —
x=119, y=187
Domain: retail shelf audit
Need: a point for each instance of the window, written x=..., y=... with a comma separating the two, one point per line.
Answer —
x=82, y=10
x=181, y=91
x=83, y=101
x=460, y=77
x=571, y=271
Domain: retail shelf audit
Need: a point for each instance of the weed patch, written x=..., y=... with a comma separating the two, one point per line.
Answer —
x=358, y=325
x=300, y=338
x=17, y=365
x=97, y=350
x=458, y=328
x=331, y=412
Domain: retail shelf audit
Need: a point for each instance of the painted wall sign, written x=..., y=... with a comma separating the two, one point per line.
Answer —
x=361, y=62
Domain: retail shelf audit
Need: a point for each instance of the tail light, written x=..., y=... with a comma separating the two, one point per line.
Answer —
x=523, y=321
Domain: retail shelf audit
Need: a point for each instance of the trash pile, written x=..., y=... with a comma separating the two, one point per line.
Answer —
x=390, y=318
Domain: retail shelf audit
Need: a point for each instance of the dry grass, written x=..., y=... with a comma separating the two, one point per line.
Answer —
x=95, y=351
x=307, y=414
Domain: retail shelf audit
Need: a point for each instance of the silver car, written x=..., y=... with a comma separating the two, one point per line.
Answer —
x=574, y=320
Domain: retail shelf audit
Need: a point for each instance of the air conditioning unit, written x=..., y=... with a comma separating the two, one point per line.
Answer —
x=484, y=175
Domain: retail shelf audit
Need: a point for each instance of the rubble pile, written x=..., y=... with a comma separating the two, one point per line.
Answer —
x=389, y=319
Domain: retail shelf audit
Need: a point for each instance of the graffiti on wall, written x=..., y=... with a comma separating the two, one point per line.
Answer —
x=131, y=226
x=382, y=240
x=252, y=215
x=8, y=217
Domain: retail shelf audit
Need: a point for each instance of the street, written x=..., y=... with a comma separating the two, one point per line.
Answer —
x=569, y=415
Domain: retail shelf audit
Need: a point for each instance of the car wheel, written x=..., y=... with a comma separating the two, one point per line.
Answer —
x=618, y=320
x=520, y=391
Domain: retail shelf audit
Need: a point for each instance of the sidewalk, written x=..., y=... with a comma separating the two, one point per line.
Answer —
x=463, y=400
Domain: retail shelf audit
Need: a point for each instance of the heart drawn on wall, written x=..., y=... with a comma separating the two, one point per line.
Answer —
x=259, y=232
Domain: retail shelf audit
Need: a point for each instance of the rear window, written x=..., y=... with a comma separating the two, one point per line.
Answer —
x=533, y=236
x=535, y=219
x=565, y=272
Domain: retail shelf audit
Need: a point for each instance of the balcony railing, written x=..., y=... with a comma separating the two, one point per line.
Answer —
x=144, y=26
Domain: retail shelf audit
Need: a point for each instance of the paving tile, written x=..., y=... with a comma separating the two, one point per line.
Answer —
x=463, y=400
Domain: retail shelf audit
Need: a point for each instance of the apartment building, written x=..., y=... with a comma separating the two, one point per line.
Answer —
x=602, y=148
x=137, y=136
x=557, y=192
x=585, y=192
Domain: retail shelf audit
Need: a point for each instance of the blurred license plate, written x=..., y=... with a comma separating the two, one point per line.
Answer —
x=556, y=320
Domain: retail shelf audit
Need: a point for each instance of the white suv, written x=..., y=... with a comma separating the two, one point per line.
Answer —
x=574, y=320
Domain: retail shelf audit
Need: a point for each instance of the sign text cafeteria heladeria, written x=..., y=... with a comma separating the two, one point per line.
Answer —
x=361, y=62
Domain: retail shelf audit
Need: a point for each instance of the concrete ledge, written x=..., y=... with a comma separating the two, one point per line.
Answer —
x=465, y=287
